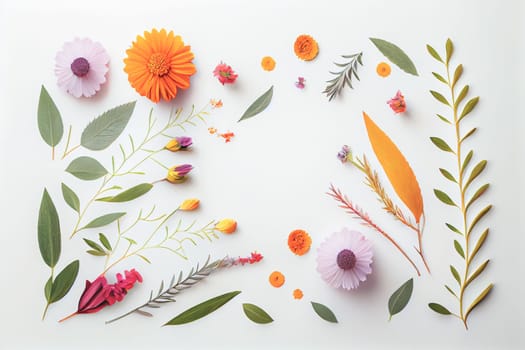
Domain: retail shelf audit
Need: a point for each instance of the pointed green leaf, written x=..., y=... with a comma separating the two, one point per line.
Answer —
x=256, y=314
x=453, y=229
x=478, y=218
x=468, y=134
x=478, y=245
x=144, y=258
x=70, y=198
x=476, y=195
x=105, y=242
x=443, y=119
x=104, y=220
x=49, y=119
x=130, y=240
x=64, y=281
x=451, y=291
x=442, y=196
x=107, y=127
x=258, y=105
x=441, y=144
x=466, y=162
x=477, y=272
x=400, y=298
x=459, y=249
x=86, y=168
x=434, y=53
x=457, y=75
x=203, y=309
x=48, y=231
x=95, y=252
x=395, y=55
x=447, y=175
x=94, y=245
x=324, y=312
x=478, y=169
x=440, y=78
x=439, y=97
x=440, y=309
x=129, y=194
x=478, y=300
x=469, y=107
x=47, y=289
x=462, y=94
x=449, y=47
x=455, y=273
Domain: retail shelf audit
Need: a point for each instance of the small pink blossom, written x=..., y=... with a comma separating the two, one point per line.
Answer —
x=300, y=83
x=225, y=74
x=397, y=103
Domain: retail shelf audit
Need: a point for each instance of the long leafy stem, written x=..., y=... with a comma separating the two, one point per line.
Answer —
x=344, y=77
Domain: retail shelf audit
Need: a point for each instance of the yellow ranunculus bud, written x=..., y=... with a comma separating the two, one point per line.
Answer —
x=226, y=226
x=190, y=204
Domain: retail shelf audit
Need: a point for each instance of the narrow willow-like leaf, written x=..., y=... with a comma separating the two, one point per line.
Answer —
x=395, y=55
x=455, y=273
x=258, y=105
x=64, y=281
x=86, y=168
x=49, y=119
x=443, y=119
x=477, y=272
x=47, y=289
x=400, y=298
x=256, y=314
x=107, y=127
x=473, y=130
x=96, y=252
x=459, y=249
x=439, y=97
x=105, y=242
x=478, y=169
x=94, y=245
x=462, y=94
x=469, y=107
x=454, y=229
x=478, y=218
x=48, y=231
x=476, y=195
x=129, y=194
x=441, y=144
x=434, y=53
x=466, y=162
x=144, y=258
x=449, y=48
x=440, y=309
x=324, y=312
x=203, y=309
x=70, y=198
x=478, y=300
x=457, y=74
x=442, y=196
x=478, y=245
x=450, y=291
x=447, y=175
x=104, y=220
x=440, y=78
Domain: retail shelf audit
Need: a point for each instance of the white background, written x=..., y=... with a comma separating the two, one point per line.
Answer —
x=273, y=176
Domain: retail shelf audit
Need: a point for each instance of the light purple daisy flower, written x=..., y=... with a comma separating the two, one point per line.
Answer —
x=81, y=67
x=344, y=259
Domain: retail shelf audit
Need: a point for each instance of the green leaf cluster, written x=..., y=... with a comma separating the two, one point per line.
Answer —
x=344, y=77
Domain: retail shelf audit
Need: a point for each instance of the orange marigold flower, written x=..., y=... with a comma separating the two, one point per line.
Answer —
x=299, y=242
x=276, y=279
x=306, y=47
x=298, y=294
x=268, y=63
x=383, y=69
x=158, y=64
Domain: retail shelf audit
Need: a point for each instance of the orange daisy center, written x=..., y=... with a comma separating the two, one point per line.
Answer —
x=158, y=64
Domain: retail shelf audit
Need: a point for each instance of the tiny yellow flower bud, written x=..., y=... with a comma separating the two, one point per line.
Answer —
x=190, y=204
x=173, y=145
x=226, y=226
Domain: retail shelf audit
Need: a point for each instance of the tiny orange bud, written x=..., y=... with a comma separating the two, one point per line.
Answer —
x=226, y=226
x=190, y=204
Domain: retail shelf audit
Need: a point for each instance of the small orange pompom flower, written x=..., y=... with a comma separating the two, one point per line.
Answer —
x=306, y=47
x=276, y=279
x=268, y=63
x=299, y=242
x=159, y=64
x=298, y=294
x=383, y=69
x=190, y=204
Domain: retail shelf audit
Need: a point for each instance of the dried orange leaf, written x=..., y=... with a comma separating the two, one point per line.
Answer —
x=396, y=167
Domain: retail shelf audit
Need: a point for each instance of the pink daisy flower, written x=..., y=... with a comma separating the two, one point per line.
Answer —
x=81, y=67
x=344, y=259
x=225, y=74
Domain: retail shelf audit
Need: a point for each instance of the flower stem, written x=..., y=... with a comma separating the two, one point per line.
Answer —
x=45, y=310
x=68, y=317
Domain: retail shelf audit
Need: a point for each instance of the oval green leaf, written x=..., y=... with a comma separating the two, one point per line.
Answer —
x=47, y=289
x=477, y=272
x=469, y=106
x=324, y=312
x=107, y=127
x=455, y=273
x=203, y=309
x=441, y=144
x=466, y=161
x=478, y=217
x=440, y=78
x=48, y=231
x=94, y=245
x=104, y=220
x=453, y=229
x=64, y=281
x=478, y=299
x=434, y=53
x=395, y=55
x=256, y=314
x=479, y=243
x=129, y=194
x=439, y=97
x=442, y=196
x=70, y=198
x=440, y=309
x=400, y=298
x=86, y=168
x=105, y=242
x=459, y=249
x=457, y=74
x=462, y=94
x=49, y=119
x=449, y=48
x=478, y=169
x=476, y=195
x=447, y=175
x=258, y=105
x=95, y=252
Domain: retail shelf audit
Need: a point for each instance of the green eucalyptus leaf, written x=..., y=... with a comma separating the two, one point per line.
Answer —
x=478, y=169
x=86, y=168
x=105, y=242
x=258, y=105
x=449, y=47
x=442, y=196
x=203, y=309
x=94, y=245
x=479, y=243
x=441, y=144
x=71, y=198
x=469, y=106
x=400, y=298
x=453, y=229
x=478, y=299
x=107, y=127
x=477, y=272
x=455, y=273
x=129, y=194
x=478, y=217
x=49, y=119
x=459, y=249
x=439, y=97
x=48, y=231
x=64, y=281
x=440, y=309
x=476, y=195
x=104, y=220
x=395, y=55
x=324, y=312
x=47, y=289
x=447, y=175
x=434, y=53
x=256, y=314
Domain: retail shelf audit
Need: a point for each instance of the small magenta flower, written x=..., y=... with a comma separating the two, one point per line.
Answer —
x=397, y=103
x=179, y=143
x=225, y=74
x=300, y=83
x=177, y=174
x=345, y=154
